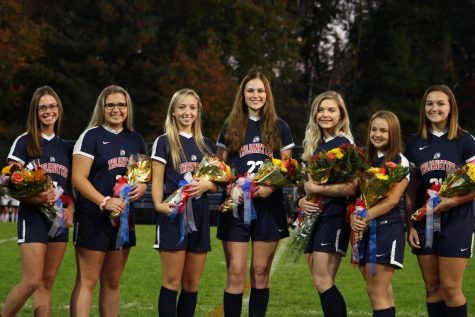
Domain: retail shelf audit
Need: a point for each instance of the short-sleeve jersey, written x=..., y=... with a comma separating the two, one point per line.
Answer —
x=161, y=152
x=110, y=152
x=396, y=211
x=436, y=157
x=335, y=205
x=252, y=154
x=56, y=158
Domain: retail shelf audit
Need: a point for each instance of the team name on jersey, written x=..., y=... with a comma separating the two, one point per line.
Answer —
x=188, y=167
x=54, y=168
x=118, y=162
x=254, y=148
x=438, y=165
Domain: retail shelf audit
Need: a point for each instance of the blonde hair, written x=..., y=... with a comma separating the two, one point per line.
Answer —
x=313, y=133
x=98, y=115
x=34, y=147
x=172, y=132
x=394, y=141
x=454, y=130
x=237, y=120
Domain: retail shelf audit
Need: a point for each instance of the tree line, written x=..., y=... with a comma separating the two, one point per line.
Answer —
x=379, y=54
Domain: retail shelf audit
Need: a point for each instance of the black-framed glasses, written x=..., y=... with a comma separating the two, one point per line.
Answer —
x=44, y=108
x=120, y=105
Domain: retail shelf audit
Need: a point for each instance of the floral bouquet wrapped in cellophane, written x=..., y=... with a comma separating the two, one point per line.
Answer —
x=326, y=167
x=211, y=169
x=139, y=170
x=460, y=183
x=280, y=173
x=21, y=182
x=375, y=184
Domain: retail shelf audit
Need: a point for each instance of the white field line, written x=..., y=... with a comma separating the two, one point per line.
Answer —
x=280, y=251
x=8, y=240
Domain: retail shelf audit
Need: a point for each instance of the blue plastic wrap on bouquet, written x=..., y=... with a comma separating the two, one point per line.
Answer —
x=184, y=210
x=123, y=234
x=431, y=203
x=372, y=248
x=58, y=227
x=358, y=249
x=249, y=211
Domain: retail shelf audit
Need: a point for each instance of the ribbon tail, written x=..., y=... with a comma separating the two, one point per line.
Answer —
x=190, y=217
x=372, y=247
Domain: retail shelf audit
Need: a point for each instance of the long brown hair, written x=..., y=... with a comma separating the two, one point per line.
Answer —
x=394, y=142
x=34, y=146
x=454, y=130
x=237, y=119
x=171, y=128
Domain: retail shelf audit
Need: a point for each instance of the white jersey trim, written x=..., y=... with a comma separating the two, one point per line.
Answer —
x=78, y=145
x=393, y=253
x=12, y=148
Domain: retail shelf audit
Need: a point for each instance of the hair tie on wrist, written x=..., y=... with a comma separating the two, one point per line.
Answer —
x=104, y=202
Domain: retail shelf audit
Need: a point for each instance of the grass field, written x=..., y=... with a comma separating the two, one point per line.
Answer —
x=292, y=293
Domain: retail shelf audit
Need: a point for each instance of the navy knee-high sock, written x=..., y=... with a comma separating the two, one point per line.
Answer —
x=388, y=312
x=186, y=304
x=436, y=309
x=258, y=301
x=459, y=311
x=167, y=302
x=333, y=303
x=232, y=305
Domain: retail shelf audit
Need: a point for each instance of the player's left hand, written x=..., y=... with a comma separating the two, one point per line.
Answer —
x=68, y=215
x=199, y=187
x=263, y=191
x=137, y=192
x=445, y=205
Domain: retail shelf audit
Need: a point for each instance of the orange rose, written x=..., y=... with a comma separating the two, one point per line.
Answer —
x=16, y=178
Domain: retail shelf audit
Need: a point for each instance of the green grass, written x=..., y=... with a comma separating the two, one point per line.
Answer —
x=292, y=293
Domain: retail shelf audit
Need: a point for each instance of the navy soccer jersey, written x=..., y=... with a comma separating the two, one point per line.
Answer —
x=110, y=152
x=336, y=205
x=396, y=211
x=436, y=157
x=56, y=161
x=161, y=152
x=252, y=154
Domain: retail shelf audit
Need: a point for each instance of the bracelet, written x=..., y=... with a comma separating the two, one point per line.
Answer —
x=104, y=202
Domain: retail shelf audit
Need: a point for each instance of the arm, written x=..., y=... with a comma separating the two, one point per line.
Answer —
x=331, y=190
x=410, y=208
x=81, y=169
x=158, y=176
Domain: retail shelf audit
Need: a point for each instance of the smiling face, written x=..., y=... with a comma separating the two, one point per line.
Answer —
x=327, y=117
x=379, y=134
x=115, y=117
x=255, y=96
x=48, y=113
x=185, y=113
x=437, y=109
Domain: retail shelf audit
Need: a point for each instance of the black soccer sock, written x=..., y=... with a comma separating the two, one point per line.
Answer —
x=436, y=309
x=333, y=303
x=388, y=312
x=186, y=304
x=459, y=311
x=232, y=305
x=258, y=301
x=167, y=302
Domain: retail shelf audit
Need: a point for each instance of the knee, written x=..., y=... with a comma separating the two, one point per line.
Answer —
x=172, y=282
x=260, y=275
x=236, y=276
x=47, y=282
x=432, y=286
x=322, y=282
x=31, y=285
x=451, y=293
x=190, y=284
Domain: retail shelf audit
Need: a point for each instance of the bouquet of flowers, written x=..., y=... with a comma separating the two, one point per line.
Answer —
x=280, y=173
x=375, y=183
x=139, y=170
x=54, y=213
x=21, y=182
x=460, y=183
x=326, y=167
x=211, y=169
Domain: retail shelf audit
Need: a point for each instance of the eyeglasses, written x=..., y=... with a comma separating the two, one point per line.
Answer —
x=44, y=108
x=120, y=105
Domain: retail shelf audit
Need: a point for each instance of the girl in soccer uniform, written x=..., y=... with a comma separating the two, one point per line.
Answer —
x=384, y=145
x=182, y=255
x=252, y=133
x=100, y=155
x=440, y=147
x=328, y=128
x=41, y=255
